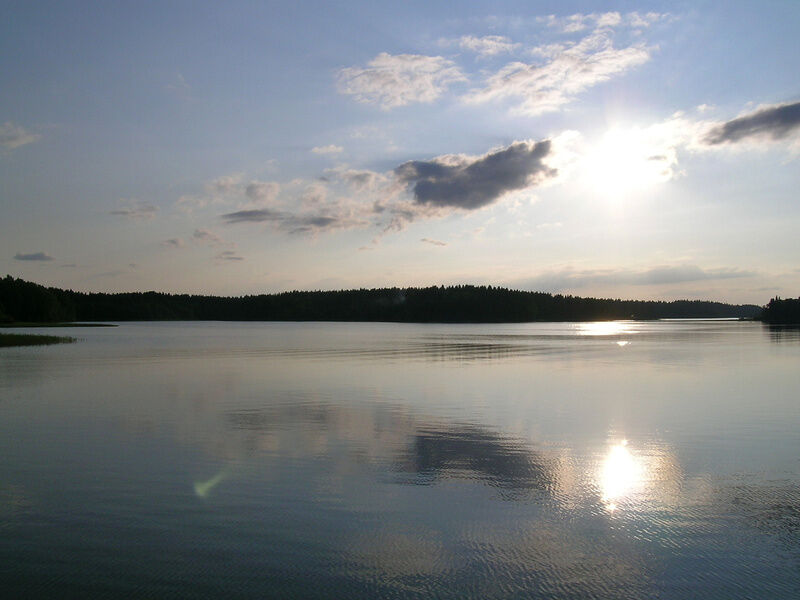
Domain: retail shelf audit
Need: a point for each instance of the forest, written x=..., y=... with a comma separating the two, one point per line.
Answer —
x=24, y=301
x=782, y=311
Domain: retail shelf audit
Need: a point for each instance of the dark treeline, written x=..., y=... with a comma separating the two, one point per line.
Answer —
x=24, y=301
x=782, y=312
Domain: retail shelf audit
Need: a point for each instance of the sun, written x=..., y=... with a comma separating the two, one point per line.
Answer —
x=625, y=163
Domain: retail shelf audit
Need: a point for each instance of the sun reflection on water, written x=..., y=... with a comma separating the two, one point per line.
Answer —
x=620, y=475
x=605, y=328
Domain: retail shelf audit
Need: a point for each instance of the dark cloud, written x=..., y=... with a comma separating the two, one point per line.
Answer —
x=41, y=256
x=204, y=236
x=290, y=222
x=262, y=191
x=136, y=210
x=472, y=184
x=433, y=242
x=173, y=243
x=253, y=216
x=775, y=122
x=228, y=255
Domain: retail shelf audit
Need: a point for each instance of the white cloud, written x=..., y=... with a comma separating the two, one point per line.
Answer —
x=330, y=149
x=397, y=80
x=13, y=136
x=489, y=45
x=567, y=71
x=583, y=21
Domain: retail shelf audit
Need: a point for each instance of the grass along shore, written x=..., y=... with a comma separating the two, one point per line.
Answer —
x=27, y=339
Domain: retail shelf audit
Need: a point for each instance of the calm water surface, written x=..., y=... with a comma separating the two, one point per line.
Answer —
x=330, y=460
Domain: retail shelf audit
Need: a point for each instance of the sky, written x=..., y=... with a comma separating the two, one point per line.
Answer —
x=644, y=150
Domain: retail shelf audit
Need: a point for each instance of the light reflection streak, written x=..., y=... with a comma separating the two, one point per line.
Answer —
x=605, y=328
x=203, y=488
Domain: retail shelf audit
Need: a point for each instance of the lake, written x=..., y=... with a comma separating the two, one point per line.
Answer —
x=380, y=460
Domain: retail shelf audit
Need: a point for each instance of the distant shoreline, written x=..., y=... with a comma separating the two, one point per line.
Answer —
x=26, y=302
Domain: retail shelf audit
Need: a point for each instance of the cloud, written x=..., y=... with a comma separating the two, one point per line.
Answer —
x=228, y=255
x=580, y=22
x=136, y=210
x=36, y=256
x=225, y=185
x=360, y=180
x=173, y=243
x=292, y=223
x=489, y=45
x=179, y=86
x=471, y=183
x=13, y=136
x=568, y=279
x=774, y=122
x=568, y=70
x=397, y=80
x=262, y=192
x=204, y=236
x=252, y=216
x=433, y=242
x=330, y=149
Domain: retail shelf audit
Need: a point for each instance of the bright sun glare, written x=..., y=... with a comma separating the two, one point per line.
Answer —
x=626, y=162
x=621, y=473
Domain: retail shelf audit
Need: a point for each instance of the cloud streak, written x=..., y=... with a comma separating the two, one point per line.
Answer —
x=34, y=256
x=772, y=122
x=489, y=45
x=308, y=223
x=329, y=149
x=139, y=211
x=397, y=80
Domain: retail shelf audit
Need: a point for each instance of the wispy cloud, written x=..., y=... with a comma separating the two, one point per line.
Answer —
x=433, y=242
x=228, y=255
x=329, y=149
x=774, y=122
x=205, y=236
x=293, y=223
x=173, y=243
x=34, y=256
x=136, y=210
x=13, y=136
x=262, y=192
x=489, y=45
x=567, y=70
x=582, y=21
x=397, y=80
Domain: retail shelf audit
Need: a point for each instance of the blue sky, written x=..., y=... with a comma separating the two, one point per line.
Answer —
x=628, y=149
